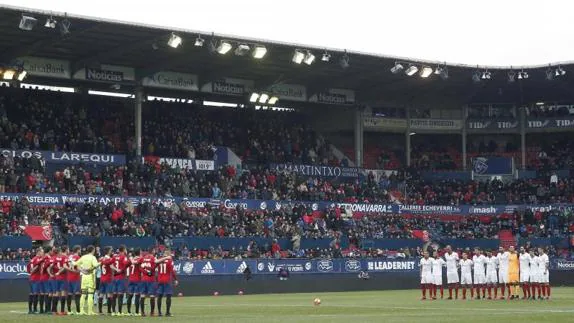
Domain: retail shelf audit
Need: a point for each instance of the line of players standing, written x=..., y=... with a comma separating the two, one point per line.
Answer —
x=505, y=270
x=55, y=278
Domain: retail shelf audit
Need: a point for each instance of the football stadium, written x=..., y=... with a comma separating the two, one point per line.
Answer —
x=150, y=172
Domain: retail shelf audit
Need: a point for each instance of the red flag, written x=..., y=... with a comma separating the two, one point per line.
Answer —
x=36, y=232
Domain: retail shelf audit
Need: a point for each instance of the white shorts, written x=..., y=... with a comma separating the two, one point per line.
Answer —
x=524, y=276
x=545, y=277
x=503, y=276
x=534, y=277
x=452, y=277
x=466, y=279
x=491, y=277
x=427, y=278
x=479, y=279
x=437, y=280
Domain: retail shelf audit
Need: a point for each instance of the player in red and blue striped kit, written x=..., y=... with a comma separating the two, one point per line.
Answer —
x=166, y=279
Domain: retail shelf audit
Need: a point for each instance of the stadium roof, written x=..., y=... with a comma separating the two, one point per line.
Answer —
x=92, y=42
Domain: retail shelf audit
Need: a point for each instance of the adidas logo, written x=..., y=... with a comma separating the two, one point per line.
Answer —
x=241, y=268
x=207, y=268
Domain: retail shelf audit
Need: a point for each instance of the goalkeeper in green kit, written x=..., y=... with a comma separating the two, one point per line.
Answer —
x=87, y=265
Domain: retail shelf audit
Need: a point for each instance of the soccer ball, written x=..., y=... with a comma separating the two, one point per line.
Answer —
x=317, y=301
x=215, y=293
x=240, y=292
x=180, y=294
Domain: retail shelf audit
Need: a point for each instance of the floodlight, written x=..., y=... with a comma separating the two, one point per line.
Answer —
x=298, y=57
x=326, y=57
x=309, y=58
x=22, y=75
x=242, y=50
x=476, y=77
x=50, y=23
x=259, y=52
x=511, y=76
x=224, y=47
x=412, y=70
x=254, y=97
x=344, y=61
x=27, y=23
x=9, y=74
x=273, y=100
x=174, y=41
x=426, y=71
x=263, y=98
x=397, y=68
x=199, y=41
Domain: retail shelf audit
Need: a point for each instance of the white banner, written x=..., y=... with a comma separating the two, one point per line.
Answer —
x=172, y=80
x=229, y=86
x=384, y=124
x=293, y=92
x=46, y=67
x=436, y=124
x=106, y=73
x=334, y=96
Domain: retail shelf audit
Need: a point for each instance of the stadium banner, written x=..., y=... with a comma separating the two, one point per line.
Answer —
x=17, y=269
x=106, y=73
x=229, y=86
x=189, y=164
x=498, y=125
x=492, y=165
x=317, y=171
x=292, y=92
x=435, y=124
x=384, y=124
x=172, y=80
x=334, y=96
x=59, y=200
x=553, y=123
x=59, y=157
x=45, y=67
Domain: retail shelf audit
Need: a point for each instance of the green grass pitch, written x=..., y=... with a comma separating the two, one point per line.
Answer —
x=349, y=307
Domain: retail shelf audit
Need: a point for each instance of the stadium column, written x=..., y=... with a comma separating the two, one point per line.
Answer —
x=464, y=134
x=408, y=137
x=139, y=96
x=358, y=137
x=522, y=112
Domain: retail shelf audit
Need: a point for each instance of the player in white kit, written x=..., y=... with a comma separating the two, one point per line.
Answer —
x=465, y=274
x=479, y=260
x=437, y=275
x=491, y=276
x=502, y=270
x=534, y=276
x=524, y=259
x=451, y=271
x=426, y=264
x=544, y=272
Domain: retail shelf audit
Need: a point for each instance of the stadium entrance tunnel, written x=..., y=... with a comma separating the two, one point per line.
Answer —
x=17, y=290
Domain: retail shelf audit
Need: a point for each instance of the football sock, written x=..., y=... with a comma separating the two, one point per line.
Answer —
x=130, y=297
x=137, y=303
x=168, y=304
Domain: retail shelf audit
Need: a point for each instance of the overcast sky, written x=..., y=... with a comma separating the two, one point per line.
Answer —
x=475, y=32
